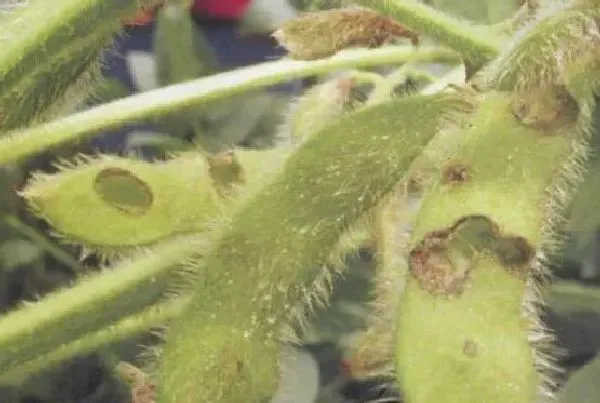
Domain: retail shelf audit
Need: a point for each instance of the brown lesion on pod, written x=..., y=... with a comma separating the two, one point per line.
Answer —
x=225, y=170
x=430, y=265
x=442, y=263
x=123, y=190
x=470, y=348
x=142, y=389
x=456, y=173
x=547, y=110
x=320, y=34
x=513, y=251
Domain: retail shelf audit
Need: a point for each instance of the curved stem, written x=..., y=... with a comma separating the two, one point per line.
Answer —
x=43, y=242
x=94, y=302
x=21, y=144
x=154, y=316
x=477, y=45
x=365, y=77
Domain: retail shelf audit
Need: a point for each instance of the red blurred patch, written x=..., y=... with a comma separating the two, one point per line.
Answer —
x=228, y=9
x=346, y=367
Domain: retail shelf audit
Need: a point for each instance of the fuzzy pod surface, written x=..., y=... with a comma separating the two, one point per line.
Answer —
x=547, y=47
x=112, y=204
x=224, y=346
x=467, y=325
x=74, y=68
x=50, y=27
x=375, y=345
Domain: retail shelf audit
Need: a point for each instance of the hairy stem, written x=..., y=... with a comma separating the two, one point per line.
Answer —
x=95, y=301
x=476, y=45
x=131, y=326
x=20, y=144
x=43, y=242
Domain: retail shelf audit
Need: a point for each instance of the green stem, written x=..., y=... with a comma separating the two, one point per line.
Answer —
x=43, y=242
x=365, y=77
x=477, y=45
x=455, y=77
x=131, y=326
x=423, y=75
x=385, y=89
x=21, y=144
x=93, y=303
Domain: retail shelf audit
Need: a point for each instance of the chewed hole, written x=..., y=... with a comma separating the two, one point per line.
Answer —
x=123, y=190
x=442, y=263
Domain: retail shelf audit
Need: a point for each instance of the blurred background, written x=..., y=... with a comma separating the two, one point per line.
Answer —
x=169, y=45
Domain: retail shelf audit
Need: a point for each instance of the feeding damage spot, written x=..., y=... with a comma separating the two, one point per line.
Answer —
x=224, y=169
x=455, y=174
x=470, y=348
x=442, y=263
x=349, y=93
x=547, y=111
x=123, y=190
x=143, y=389
x=513, y=251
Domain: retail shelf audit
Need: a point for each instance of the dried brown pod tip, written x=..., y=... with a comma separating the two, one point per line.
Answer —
x=142, y=389
x=320, y=34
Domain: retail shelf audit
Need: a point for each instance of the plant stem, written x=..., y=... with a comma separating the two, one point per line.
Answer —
x=385, y=90
x=43, y=242
x=93, y=303
x=477, y=45
x=21, y=144
x=154, y=316
x=365, y=77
